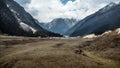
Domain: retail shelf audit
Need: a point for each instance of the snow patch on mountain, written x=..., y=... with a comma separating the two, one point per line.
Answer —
x=27, y=27
x=58, y=25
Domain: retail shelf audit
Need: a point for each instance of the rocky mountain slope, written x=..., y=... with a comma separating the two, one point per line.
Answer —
x=0, y=32
x=59, y=25
x=14, y=20
x=107, y=18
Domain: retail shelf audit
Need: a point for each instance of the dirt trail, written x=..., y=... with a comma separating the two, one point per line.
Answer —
x=108, y=62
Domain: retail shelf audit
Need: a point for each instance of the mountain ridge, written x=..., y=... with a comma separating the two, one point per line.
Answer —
x=59, y=25
x=92, y=24
x=16, y=21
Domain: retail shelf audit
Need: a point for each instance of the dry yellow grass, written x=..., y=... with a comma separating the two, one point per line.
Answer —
x=45, y=53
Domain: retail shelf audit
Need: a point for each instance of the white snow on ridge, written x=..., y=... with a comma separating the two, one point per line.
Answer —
x=22, y=24
x=15, y=14
x=8, y=5
x=27, y=27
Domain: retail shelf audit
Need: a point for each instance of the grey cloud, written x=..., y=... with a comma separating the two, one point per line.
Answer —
x=41, y=9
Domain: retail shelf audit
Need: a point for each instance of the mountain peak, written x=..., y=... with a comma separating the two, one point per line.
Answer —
x=109, y=6
x=107, y=18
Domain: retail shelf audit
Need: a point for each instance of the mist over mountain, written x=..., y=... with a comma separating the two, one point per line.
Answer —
x=59, y=25
x=14, y=20
x=107, y=18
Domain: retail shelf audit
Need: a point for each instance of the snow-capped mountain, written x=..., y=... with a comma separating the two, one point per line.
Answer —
x=107, y=18
x=14, y=20
x=59, y=25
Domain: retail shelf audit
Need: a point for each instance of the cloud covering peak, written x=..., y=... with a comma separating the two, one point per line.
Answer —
x=47, y=10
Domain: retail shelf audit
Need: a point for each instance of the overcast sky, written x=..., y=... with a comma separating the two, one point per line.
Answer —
x=47, y=10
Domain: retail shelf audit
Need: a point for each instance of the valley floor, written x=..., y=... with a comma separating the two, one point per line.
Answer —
x=24, y=52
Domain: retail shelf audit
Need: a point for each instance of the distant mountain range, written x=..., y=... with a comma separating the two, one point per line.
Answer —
x=107, y=18
x=59, y=25
x=14, y=20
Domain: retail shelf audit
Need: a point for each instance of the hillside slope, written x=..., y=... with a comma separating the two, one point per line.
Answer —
x=14, y=20
x=106, y=46
x=107, y=18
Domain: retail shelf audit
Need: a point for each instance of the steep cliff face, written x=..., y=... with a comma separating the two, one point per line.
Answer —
x=107, y=18
x=14, y=20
